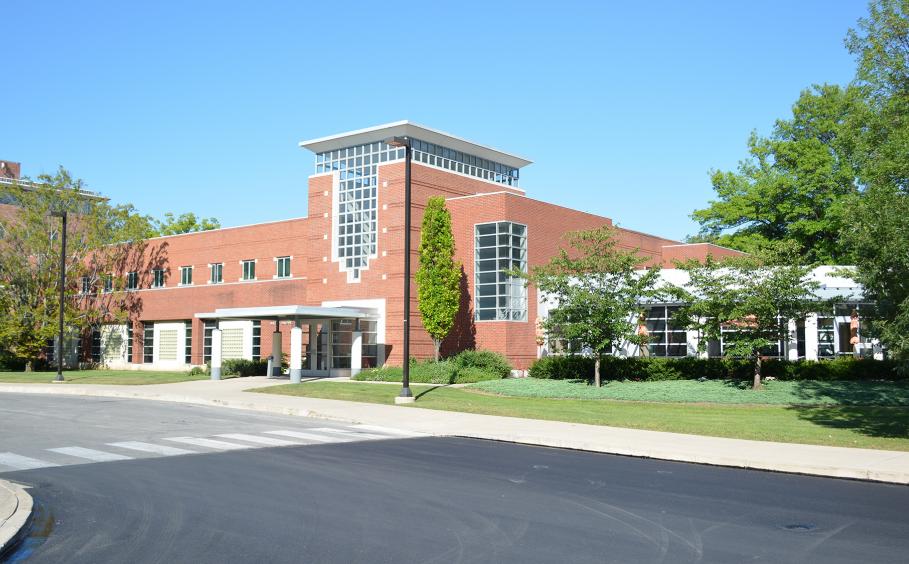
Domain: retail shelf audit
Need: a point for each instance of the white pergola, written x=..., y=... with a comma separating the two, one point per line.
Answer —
x=298, y=314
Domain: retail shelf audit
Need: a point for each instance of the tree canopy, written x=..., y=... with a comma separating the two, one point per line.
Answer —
x=595, y=287
x=103, y=240
x=439, y=275
x=184, y=223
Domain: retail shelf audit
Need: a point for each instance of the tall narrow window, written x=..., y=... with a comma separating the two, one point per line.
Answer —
x=499, y=248
x=283, y=267
x=186, y=275
x=256, y=340
x=206, y=341
x=217, y=273
x=148, y=343
x=132, y=280
x=96, y=346
x=86, y=285
x=129, y=340
x=665, y=338
x=188, y=351
x=108, y=283
x=249, y=270
x=158, y=278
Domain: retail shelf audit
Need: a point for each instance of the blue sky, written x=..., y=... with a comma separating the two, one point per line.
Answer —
x=198, y=106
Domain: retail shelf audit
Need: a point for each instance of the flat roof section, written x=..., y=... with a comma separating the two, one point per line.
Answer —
x=289, y=312
x=415, y=131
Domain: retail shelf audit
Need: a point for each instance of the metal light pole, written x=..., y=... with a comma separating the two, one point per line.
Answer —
x=62, y=215
x=405, y=396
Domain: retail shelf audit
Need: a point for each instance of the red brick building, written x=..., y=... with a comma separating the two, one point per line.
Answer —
x=328, y=287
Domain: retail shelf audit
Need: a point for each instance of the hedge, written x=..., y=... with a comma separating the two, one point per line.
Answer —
x=692, y=368
x=465, y=368
x=243, y=367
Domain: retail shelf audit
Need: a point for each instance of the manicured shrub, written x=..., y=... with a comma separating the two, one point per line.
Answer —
x=244, y=367
x=199, y=370
x=692, y=368
x=488, y=361
x=429, y=372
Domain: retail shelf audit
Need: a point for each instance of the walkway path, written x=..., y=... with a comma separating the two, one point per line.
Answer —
x=864, y=464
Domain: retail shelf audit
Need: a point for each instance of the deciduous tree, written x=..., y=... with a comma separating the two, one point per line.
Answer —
x=439, y=275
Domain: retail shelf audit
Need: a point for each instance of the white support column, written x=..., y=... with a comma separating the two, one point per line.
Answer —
x=296, y=355
x=692, y=342
x=276, y=351
x=313, y=343
x=356, y=353
x=792, y=345
x=216, y=354
x=811, y=336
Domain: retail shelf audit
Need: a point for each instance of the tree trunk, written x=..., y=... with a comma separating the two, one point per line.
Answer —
x=596, y=371
x=437, y=344
x=28, y=366
x=757, y=373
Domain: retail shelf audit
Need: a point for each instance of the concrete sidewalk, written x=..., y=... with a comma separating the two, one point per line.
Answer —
x=15, y=511
x=863, y=464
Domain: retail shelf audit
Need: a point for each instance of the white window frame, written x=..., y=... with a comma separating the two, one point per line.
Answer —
x=243, y=264
x=288, y=274
x=183, y=271
x=154, y=283
x=211, y=273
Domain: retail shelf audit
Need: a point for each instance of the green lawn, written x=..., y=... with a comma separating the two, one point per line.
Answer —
x=100, y=377
x=711, y=391
x=843, y=425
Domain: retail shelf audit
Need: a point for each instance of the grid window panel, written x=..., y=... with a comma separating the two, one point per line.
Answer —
x=341, y=342
x=665, y=338
x=498, y=248
x=188, y=344
x=206, y=341
x=256, y=340
x=148, y=343
x=249, y=270
x=129, y=341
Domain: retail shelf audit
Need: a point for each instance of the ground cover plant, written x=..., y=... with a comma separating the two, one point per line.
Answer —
x=464, y=368
x=859, y=426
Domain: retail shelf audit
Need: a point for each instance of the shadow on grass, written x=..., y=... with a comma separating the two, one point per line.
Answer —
x=853, y=393
x=889, y=422
x=427, y=390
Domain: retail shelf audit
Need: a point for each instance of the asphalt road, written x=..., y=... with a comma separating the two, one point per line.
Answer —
x=420, y=500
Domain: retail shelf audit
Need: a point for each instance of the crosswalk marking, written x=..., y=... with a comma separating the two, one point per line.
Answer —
x=309, y=436
x=163, y=450
x=270, y=441
x=389, y=431
x=351, y=434
x=90, y=454
x=19, y=462
x=210, y=443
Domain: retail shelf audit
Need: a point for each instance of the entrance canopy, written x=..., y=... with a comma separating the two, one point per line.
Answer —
x=291, y=312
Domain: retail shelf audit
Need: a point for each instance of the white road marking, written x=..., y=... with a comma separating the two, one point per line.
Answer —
x=270, y=441
x=390, y=431
x=209, y=443
x=310, y=436
x=155, y=449
x=18, y=462
x=90, y=454
x=354, y=435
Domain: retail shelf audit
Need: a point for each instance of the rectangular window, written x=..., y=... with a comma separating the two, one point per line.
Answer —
x=370, y=348
x=86, y=285
x=108, y=283
x=283, y=267
x=249, y=270
x=96, y=346
x=500, y=247
x=132, y=280
x=158, y=278
x=664, y=338
x=217, y=273
x=186, y=275
x=148, y=343
x=206, y=341
x=256, y=340
x=188, y=352
x=825, y=339
x=129, y=341
x=341, y=341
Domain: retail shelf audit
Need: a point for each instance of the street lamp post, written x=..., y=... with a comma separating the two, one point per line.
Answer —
x=406, y=396
x=62, y=216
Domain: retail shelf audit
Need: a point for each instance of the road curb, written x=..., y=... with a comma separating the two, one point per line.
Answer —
x=16, y=507
x=574, y=442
